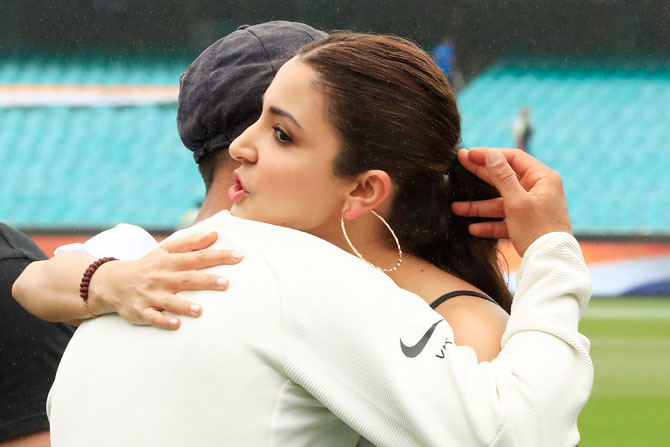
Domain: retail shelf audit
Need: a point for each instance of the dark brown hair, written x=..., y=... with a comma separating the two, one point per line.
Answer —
x=394, y=110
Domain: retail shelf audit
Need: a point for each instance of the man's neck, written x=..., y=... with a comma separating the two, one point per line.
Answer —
x=208, y=209
x=217, y=199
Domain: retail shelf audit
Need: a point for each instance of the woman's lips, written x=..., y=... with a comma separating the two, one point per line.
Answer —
x=236, y=191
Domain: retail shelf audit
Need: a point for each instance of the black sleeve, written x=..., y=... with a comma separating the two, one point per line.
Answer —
x=30, y=348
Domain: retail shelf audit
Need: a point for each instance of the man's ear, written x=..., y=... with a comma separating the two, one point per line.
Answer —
x=370, y=189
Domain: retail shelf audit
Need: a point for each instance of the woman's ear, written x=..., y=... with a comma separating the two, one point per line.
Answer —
x=370, y=189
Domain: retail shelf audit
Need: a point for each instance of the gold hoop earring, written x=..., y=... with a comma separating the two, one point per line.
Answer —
x=392, y=269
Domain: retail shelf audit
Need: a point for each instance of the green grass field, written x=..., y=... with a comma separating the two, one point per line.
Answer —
x=630, y=347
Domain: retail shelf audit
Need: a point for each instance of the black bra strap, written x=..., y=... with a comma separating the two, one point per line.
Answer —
x=446, y=296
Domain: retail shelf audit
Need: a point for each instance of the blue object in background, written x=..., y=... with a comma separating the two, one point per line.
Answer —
x=444, y=55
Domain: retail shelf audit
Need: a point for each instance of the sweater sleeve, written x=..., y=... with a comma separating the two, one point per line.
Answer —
x=395, y=376
x=124, y=241
x=544, y=356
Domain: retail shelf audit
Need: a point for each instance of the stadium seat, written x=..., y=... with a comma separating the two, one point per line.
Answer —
x=597, y=121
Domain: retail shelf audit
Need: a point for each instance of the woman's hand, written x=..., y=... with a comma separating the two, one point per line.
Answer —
x=139, y=290
x=532, y=203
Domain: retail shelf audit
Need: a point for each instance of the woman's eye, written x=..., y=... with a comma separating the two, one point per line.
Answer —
x=281, y=136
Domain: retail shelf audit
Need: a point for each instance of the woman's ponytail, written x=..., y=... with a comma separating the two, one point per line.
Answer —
x=394, y=110
x=426, y=227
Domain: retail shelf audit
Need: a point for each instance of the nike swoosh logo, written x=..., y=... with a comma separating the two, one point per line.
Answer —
x=413, y=351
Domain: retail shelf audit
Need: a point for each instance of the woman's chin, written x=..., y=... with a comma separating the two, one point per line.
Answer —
x=238, y=211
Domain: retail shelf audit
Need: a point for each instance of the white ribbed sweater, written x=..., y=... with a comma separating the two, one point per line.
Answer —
x=305, y=349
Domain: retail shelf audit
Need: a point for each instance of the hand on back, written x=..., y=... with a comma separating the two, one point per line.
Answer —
x=140, y=290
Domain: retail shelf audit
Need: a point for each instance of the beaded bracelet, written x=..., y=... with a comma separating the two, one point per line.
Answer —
x=86, y=280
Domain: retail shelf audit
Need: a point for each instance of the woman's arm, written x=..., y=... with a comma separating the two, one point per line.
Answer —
x=50, y=289
x=138, y=290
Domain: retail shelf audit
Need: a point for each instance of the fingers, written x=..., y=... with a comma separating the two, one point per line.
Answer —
x=477, y=168
x=177, y=305
x=519, y=160
x=194, y=280
x=492, y=208
x=205, y=258
x=189, y=243
x=489, y=230
x=502, y=176
x=533, y=197
x=153, y=317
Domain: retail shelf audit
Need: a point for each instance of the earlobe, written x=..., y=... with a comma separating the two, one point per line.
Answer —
x=353, y=211
x=371, y=188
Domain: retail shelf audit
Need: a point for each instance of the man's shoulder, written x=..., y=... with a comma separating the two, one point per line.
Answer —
x=124, y=241
x=266, y=237
x=291, y=254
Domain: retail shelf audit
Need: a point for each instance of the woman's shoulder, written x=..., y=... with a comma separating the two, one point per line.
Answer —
x=476, y=321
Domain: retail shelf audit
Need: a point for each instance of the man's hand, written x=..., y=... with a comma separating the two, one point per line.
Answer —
x=532, y=203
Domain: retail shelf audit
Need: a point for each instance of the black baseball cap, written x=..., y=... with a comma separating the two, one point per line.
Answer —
x=220, y=94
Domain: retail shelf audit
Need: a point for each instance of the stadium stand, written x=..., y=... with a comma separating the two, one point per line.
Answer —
x=100, y=68
x=91, y=167
x=600, y=122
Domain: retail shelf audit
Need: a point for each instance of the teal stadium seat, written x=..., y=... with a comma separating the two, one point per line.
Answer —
x=601, y=123
x=92, y=167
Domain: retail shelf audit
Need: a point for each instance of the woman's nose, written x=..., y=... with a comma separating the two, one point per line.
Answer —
x=242, y=148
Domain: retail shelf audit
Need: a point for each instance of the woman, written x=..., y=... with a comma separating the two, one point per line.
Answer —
x=401, y=165
x=316, y=161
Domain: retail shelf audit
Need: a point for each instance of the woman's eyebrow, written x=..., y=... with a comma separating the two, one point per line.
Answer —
x=277, y=111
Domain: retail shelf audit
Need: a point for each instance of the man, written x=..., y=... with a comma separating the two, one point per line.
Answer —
x=220, y=95
x=290, y=356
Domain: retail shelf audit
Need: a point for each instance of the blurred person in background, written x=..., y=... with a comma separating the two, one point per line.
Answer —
x=556, y=348
x=30, y=350
x=522, y=129
x=444, y=55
